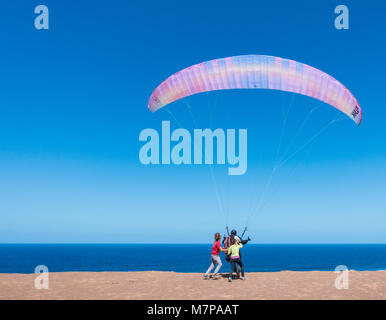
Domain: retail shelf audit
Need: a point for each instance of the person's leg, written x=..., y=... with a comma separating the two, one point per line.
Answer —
x=219, y=264
x=242, y=268
x=238, y=267
x=210, y=267
x=232, y=267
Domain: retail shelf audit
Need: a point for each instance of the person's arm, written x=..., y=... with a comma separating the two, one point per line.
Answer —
x=245, y=241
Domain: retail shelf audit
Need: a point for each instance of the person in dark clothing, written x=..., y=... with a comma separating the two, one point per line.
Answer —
x=234, y=235
x=228, y=241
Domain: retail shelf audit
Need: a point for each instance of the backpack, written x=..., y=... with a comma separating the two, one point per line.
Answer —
x=227, y=243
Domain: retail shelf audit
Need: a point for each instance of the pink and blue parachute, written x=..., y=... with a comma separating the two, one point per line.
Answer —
x=254, y=72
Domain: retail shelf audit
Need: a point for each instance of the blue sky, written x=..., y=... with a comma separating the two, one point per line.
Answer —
x=74, y=100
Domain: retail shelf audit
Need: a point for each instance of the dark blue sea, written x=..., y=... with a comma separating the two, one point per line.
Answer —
x=23, y=258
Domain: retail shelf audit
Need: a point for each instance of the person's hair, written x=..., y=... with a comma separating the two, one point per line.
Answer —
x=217, y=236
x=234, y=241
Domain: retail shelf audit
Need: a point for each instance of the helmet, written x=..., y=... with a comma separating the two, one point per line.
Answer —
x=233, y=232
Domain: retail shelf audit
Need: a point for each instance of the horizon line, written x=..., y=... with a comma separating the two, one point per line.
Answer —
x=198, y=243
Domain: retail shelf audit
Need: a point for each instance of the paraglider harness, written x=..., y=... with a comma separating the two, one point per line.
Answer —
x=228, y=240
x=227, y=243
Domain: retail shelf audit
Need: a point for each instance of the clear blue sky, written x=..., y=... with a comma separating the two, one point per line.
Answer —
x=74, y=98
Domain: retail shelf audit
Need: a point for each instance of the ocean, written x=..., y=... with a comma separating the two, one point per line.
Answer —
x=23, y=258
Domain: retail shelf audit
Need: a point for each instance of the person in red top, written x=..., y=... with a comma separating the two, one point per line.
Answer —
x=215, y=258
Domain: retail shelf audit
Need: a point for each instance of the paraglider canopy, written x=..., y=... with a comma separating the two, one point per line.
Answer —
x=256, y=72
